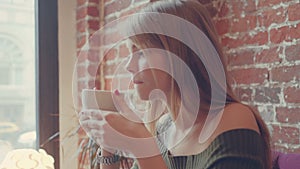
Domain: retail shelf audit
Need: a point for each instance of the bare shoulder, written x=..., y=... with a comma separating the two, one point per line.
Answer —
x=237, y=116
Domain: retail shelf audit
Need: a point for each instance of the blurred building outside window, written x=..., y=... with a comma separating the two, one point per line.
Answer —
x=17, y=76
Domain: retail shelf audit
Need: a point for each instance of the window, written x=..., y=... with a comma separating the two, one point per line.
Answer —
x=17, y=60
x=12, y=60
x=29, y=75
x=47, y=86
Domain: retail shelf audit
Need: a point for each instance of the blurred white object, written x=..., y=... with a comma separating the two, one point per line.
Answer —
x=5, y=147
x=27, y=158
x=28, y=138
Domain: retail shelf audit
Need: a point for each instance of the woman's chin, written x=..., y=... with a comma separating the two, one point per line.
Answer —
x=143, y=96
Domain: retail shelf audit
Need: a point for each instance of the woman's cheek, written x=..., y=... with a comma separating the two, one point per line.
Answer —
x=143, y=64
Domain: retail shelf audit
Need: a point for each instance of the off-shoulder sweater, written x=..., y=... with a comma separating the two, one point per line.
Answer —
x=233, y=149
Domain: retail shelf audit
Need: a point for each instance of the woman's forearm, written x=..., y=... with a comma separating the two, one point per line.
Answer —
x=152, y=155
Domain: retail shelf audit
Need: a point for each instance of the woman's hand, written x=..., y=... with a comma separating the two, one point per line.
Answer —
x=115, y=132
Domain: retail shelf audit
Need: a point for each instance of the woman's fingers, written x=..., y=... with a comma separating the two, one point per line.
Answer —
x=91, y=114
x=110, y=129
x=125, y=110
x=92, y=124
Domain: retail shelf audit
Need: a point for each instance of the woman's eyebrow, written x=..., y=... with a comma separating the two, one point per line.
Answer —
x=134, y=48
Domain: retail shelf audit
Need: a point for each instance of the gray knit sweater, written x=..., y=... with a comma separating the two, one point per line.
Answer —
x=234, y=149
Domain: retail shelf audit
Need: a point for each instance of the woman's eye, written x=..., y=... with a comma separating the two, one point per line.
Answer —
x=141, y=54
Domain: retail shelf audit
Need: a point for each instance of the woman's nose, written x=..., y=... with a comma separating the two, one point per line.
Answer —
x=131, y=65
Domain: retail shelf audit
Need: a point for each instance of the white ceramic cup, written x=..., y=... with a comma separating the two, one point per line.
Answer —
x=97, y=99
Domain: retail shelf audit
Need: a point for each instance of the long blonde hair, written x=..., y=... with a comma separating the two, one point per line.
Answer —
x=197, y=14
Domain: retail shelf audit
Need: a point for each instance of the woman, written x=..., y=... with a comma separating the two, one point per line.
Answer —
x=199, y=128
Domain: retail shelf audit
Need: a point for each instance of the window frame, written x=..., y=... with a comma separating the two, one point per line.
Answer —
x=47, y=79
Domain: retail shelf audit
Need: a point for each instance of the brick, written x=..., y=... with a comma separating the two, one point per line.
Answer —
x=250, y=6
x=241, y=57
x=81, y=40
x=93, y=56
x=93, y=69
x=269, y=3
x=279, y=35
x=93, y=11
x=94, y=24
x=238, y=25
x=260, y=38
x=112, y=38
x=269, y=55
x=123, y=51
x=232, y=42
x=81, y=13
x=115, y=83
x=222, y=26
x=270, y=16
x=288, y=115
x=284, y=134
x=88, y=55
x=94, y=83
x=285, y=33
x=251, y=21
x=82, y=56
x=81, y=71
x=81, y=85
x=237, y=7
x=116, y=6
x=81, y=26
x=111, y=54
x=283, y=148
x=295, y=31
x=249, y=76
x=244, y=94
x=244, y=24
x=110, y=69
x=224, y=10
x=291, y=94
x=94, y=40
x=243, y=6
x=285, y=74
x=267, y=95
x=293, y=12
x=292, y=53
x=260, y=20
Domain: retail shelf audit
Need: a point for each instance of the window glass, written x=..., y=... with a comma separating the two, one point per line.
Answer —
x=17, y=76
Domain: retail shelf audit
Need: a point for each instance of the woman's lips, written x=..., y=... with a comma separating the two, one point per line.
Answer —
x=138, y=82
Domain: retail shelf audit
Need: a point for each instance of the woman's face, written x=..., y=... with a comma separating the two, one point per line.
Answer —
x=147, y=75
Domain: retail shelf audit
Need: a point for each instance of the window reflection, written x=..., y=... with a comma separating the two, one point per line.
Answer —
x=17, y=75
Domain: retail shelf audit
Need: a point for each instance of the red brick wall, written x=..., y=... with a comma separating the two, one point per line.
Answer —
x=261, y=39
x=88, y=21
